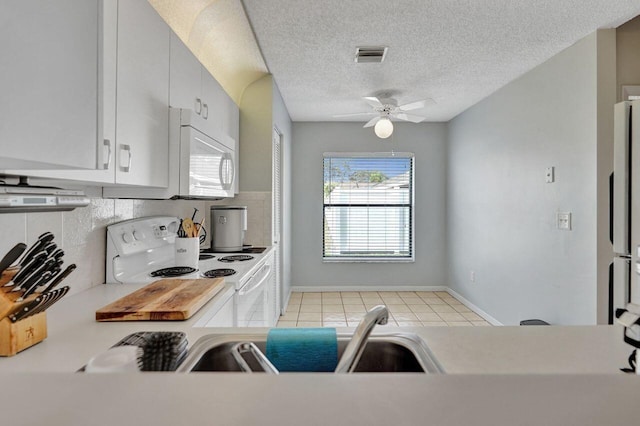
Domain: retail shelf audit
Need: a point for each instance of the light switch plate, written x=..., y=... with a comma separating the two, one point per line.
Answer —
x=563, y=220
x=549, y=175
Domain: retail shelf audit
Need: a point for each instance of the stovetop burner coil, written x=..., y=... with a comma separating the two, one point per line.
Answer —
x=222, y=272
x=174, y=271
x=235, y=258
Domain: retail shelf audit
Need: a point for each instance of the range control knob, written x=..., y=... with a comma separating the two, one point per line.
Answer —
x=127, y=237
x=139, y=235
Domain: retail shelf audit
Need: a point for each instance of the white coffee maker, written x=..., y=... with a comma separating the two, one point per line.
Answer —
x=228, y=224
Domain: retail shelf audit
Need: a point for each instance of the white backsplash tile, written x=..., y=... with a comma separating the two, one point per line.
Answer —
x=76, y=226
x=123, y=210
x=12, y=230
x=258, y=215
x=81, y=233
x=39, y=223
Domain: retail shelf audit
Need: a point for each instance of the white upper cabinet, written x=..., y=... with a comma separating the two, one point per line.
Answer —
x=185, y=90
x=142, y=96
x=193, y=87
x=132, y=96
x=119, y=70
x=48, y=84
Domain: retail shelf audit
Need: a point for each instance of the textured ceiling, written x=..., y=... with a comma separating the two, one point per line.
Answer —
x=455, y=52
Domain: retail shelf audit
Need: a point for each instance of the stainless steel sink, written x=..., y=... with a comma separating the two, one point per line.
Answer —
x=384, y=353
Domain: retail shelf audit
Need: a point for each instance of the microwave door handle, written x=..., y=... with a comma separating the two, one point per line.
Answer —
x=226, y=158
x=244, y=292
x=232, y=171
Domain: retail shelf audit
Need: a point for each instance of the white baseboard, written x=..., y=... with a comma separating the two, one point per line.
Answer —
x=325, y=288
x=491, y=320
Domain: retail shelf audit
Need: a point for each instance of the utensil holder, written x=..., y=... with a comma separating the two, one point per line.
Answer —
x=20, y=335
x=187, y=252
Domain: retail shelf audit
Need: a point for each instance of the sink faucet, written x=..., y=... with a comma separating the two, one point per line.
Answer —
x=349, y=360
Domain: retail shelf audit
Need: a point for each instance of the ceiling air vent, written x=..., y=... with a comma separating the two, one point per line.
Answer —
x=370, y=54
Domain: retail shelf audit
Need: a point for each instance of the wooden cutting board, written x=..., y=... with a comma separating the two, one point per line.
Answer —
x=162, y=300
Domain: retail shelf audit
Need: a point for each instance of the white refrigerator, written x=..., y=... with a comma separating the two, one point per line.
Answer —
x=624, y=271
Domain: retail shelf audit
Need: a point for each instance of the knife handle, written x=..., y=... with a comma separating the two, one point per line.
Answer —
x=22, y=312
x=26, y=269
x=60, y=277
x=11, y=256
x=34, y=275
x=36, y=247
x=56, y=295
x=50, y=247
x=36, y=283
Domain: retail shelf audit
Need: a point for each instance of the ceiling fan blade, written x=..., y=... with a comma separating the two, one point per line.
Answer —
x=416, y=105
x=355, y=114
x=372, y=122
x=373, y=101
x=409, y=117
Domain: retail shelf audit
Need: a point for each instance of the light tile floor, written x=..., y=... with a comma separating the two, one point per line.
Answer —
x=408, y=308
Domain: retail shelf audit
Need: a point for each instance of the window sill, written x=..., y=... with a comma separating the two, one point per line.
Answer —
x=368, y=260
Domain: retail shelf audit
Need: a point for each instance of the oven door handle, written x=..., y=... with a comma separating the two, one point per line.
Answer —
x=246, y=289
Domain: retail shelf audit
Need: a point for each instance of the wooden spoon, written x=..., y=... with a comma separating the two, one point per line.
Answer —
x=189, y=228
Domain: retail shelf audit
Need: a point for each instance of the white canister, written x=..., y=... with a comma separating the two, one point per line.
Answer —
x=187, y=252
x=229, y=224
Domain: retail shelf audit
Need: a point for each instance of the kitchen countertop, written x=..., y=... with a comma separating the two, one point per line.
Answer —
x=74, y=337
x=576, y=379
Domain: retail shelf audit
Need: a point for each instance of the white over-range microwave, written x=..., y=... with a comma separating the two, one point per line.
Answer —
x=207, y=166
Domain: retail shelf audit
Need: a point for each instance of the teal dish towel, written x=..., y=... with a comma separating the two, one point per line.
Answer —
x=303, y=349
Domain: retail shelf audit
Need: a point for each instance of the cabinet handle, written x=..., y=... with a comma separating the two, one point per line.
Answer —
x=127, y=149
x=206, y=111
x=107, y=144
x=198, y=106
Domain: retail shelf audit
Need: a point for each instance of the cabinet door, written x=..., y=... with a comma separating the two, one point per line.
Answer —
x=224, y=317
x=231, y=123
x=214, y=98
x=48, y=82
x=142, y=122
x=185, y=78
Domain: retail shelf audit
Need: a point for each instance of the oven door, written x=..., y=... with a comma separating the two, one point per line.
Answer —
x=251, y=300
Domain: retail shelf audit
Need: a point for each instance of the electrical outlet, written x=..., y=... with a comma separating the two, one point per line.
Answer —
x=472, y=276
x=563, y=220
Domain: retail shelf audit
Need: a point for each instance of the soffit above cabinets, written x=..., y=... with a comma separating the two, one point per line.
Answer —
x=219, y=34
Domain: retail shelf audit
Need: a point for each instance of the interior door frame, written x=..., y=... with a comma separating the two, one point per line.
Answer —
x=276, y=212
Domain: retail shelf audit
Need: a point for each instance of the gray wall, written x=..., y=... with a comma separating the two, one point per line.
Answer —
x=502, y=214
x=427, y=142
x=262, y=108
x=255, y=136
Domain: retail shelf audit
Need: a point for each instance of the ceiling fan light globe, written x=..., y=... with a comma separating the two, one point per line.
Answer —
x=383, y=128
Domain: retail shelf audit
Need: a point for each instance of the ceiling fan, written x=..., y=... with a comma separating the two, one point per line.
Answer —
x=386, y=109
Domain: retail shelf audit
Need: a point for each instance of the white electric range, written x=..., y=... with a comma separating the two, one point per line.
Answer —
x=140, y=251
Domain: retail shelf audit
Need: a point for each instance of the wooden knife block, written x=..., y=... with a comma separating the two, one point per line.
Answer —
x=18, y=336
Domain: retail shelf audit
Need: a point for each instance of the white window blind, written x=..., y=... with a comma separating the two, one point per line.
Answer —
x=368, y=206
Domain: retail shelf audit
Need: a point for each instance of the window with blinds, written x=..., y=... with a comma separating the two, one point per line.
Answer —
x=368, y=207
